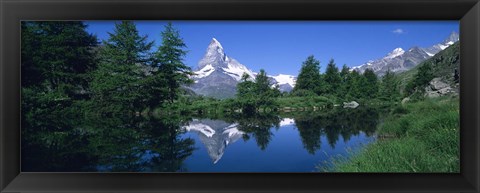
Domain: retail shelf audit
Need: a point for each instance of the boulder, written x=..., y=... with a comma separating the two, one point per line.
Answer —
x=352, y=104
x=437, y=87
x=405, y=100
x=438, y=84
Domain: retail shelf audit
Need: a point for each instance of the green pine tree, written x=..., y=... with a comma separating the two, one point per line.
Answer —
x=332, y=79
x=117, y=82
x=169, y=60
x=263, y=90
x=421, y=79
x=389, y=87
x=371, y=87
x=309, y=79
x=357, y=84
x=57, y=56
x=344, y=86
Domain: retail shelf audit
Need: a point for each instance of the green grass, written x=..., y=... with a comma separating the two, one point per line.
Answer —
x=424, y=137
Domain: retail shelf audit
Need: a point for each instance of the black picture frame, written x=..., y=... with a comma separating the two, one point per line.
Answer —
x=13, y=11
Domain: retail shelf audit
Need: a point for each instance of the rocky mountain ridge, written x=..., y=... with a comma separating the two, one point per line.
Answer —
x=400, y=60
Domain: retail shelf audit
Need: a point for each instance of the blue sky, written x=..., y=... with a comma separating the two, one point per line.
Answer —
x=282, y=46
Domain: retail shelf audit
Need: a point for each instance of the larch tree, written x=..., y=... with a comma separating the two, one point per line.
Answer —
x=309, y=78
x=169, y=61
x=118, y=81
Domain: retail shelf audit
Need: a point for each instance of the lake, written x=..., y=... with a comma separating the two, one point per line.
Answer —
x=280, y=142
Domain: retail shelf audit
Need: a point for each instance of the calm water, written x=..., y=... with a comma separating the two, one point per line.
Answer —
x=298, y=142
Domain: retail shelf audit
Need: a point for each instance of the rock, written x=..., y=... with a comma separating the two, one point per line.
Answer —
x=437, y=88
x=352, y=104
x=437, y=84
x=405, y=100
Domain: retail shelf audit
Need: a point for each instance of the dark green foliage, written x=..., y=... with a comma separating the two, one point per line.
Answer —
x=332, y=79
x=169, y=61
x=389, y=87
x=371, y=87
x=344, y=88
x=263, y=89
x=117, y=82
x=57, y=57
x=252, y=95
x=309, y=77
x=422, y=78
x=357, y=84
x=334, y=123
x=258, y=127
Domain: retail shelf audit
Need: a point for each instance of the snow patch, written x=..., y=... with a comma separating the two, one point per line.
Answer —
x=285, y=79
x=205, y=71
x=442, y=46
x=202, y=128
x=236, y=71
x=232, y=130
x=395, y=53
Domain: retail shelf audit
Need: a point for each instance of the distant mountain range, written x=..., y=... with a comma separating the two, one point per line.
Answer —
x=400, y=60
x=217, y=74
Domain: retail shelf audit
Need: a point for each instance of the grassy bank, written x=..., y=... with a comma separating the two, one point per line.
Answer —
x=418, y=137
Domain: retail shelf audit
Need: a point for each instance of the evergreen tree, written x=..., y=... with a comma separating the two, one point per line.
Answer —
x=344, y=86
x=169, y=60
x=421, y=79
x=262, y=85
x=309, y=78
x=246, y=88
x=357, y=84
x=57, y=56
x=332, y=78
x=263, y=89
x=246, y=97
x=371, y=87
x=118, y=80
x=389, y=87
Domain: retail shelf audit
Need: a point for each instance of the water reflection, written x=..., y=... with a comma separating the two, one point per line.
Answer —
x=216, y=135
x=147, y=144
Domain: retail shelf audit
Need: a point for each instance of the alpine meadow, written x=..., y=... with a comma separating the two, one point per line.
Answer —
x=164, y=96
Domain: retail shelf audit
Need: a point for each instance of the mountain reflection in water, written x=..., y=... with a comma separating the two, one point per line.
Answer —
x=216, y=135
x=293, y=142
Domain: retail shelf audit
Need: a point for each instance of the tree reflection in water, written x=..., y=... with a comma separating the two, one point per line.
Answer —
x=146, y=144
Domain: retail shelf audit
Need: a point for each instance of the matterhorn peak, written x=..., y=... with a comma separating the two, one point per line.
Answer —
x=214, y=55
x=396, y=52
x=215, y=43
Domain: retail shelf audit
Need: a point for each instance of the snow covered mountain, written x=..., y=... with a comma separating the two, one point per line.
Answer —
x=217, y=74
x=400, y=60
x=216, y=135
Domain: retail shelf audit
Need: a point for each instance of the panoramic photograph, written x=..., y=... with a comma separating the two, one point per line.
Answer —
x=240, y=96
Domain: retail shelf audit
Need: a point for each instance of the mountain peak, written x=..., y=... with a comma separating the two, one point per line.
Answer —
x=214, y=55
x=396, y=52
x=452, y=38
x=217, y=74
x=215, y=43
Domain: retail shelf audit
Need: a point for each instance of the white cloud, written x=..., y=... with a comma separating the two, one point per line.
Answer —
x=398, y=31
